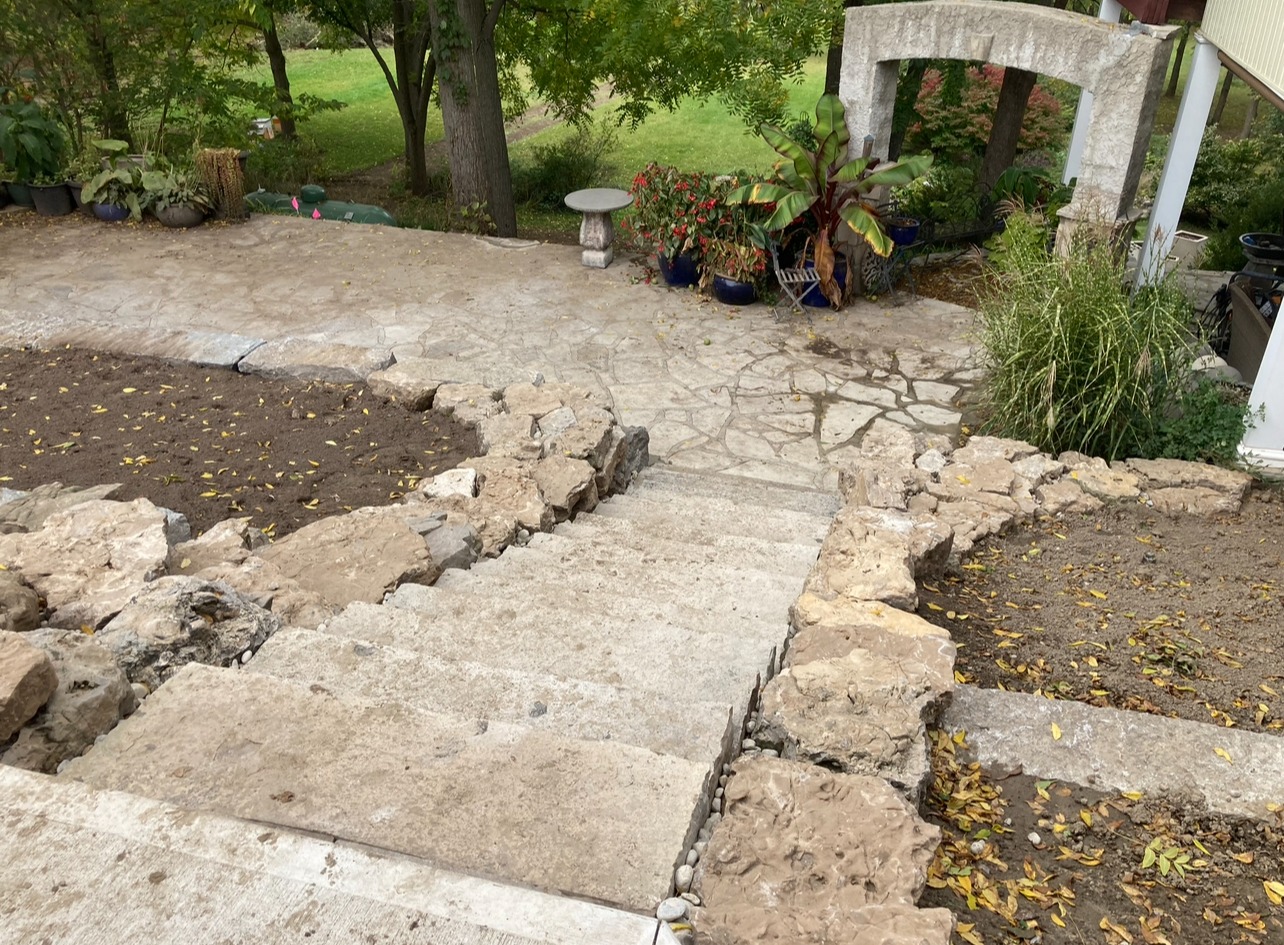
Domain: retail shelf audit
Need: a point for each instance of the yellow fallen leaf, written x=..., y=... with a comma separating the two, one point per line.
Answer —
x=1274, y=891
x=1057, y=920
x=1056, y=732
x=1100, y=595
x=128, y=390
x=1086, y=817
x=1223, y=754
x=1107, y=926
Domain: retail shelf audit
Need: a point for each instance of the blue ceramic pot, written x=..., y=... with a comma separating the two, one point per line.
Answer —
x=680, y=271
x=902, y=231
x=733, y=291
x=110, y=212
x=814, y=297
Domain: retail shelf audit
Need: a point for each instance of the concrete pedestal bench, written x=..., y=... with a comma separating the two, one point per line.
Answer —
x=596, y=231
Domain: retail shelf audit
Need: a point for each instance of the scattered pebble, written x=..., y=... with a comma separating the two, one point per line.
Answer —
x=672, y=910
x=977, y=847
x=691, y=898
x=682, y=878
x=692, y=857
x=1034, y=838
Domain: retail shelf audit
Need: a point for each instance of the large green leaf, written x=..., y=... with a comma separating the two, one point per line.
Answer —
x=900, y=173
x=762, y=192
x=867, y=226
x=788, y=208
x=851, y=171
x=831, y=132
x=791, y=149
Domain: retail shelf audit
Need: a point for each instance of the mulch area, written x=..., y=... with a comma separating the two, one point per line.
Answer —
x=959, y=280
x=212, y=443
x=1172, y=615
x=1129, y=608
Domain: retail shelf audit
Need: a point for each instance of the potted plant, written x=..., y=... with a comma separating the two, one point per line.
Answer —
x=901, y=230
x=79, y=172
x=834, y=191
x=30, y=144
x=49, y=194
x=176, y=198
x=116, y=193
x=733, y=269
x=669, y=209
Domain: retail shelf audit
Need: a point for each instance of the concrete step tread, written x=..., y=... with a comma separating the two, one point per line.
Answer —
x=572, y=708
x=660, y=508
x=739, y=489
x=738, y=551
x=603, y=572
x=672, y=662
x=122, y=863
x=597, y=820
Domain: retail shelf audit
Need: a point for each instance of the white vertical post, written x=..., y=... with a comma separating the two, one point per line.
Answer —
x=1263, y=444
x=1110, y=13
x=1183, y=148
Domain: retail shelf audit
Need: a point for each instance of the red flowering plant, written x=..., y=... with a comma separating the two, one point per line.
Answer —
x=738, y=246
x=673, y=211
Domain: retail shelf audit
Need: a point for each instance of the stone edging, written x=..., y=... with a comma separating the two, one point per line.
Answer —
x=863, y=676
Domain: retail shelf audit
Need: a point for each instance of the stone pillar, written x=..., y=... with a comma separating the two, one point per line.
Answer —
x=1183, y=149
x=1110, y=12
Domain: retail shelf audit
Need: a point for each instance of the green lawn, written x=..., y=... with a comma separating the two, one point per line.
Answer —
x=365, y=133
x=1236, y=106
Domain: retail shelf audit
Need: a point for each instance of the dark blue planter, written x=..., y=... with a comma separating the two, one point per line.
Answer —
x=111, y=213
x=20, y=194
x=733, y=291
x=814, y=297
x=680, y=271
x=902, y=231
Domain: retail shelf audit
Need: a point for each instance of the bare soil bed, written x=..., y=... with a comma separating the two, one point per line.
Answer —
x=1129, y=608
x=212, y=443
x=1126, y=607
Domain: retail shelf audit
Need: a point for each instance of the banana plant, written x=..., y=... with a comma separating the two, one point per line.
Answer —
x=834, y=189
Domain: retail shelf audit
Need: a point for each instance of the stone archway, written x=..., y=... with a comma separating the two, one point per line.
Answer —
x=1122, y=67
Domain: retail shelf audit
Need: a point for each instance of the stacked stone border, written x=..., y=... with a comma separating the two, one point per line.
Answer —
x=101, y=601
x=815, y=834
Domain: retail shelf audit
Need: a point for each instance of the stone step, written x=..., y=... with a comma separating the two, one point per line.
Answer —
x=123, y=863
x=702, y=545
x=550, y=561
x=492, y=602
x=572, y=708
x=596, y=820
x=660, y=510
x=676, y=663
x=738, y=489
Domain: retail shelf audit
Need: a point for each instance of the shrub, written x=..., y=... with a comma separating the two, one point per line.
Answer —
x=282, y=165
x=946, y=194
x=1262, y=212
x=1205, y=425
x=578, y=160
x=959, y=129
x=1074, y=361
x=1217, y=192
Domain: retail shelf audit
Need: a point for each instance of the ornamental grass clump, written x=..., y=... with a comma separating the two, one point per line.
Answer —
x=1074, y=361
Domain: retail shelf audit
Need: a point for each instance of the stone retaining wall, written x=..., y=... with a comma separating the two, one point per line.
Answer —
x=126, y=596
x=816, y=837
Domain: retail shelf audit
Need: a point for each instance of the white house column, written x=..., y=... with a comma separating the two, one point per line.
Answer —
x=1264, y=443
x=1110, y=12
x=1183, y=148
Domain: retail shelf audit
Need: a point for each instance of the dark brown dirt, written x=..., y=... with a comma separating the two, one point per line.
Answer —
x=212, y=443
x=960, y=280
x=1089, y=879
x=1178, y=616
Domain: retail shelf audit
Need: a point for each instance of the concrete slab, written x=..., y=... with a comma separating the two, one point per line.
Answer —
x=121, y=863
x=206, y=348
x=666, y=478
x=753, y=521
x=572, y=708
x=679, y=664
x=595, y=820
x=315, y=360
x=1118, y=750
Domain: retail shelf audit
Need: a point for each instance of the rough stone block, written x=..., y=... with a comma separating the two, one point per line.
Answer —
x=1157, y=474
x=27, y=680
x=314, y=361
x=225, y=542
x=467, y=403
x=794, y=829
x=507, y=434
x=462, y=481
x=262, y=582
x=19, y=604
x=1107, y=483
x=929, y=539
x=28, y=511
x=810, y=611
x=860, y=562
x=525, y=399
x=411, y=383
x=1065, y=495
x=93, y=694
x=1194, y=500
x=568, y=485
x=980, y=449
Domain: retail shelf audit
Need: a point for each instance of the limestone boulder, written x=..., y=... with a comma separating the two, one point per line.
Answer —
x=454, y=546
x=848, y=624
x=225, y=542
x=509, y=487
x=890, y=443
x=929, y=540
x=411, y=383
x=27, y=680
x=179, y=620
x=467, y=403
x=858, y=561
x=508, y=434
x=359, y=556
x=883, y=485
x=1065, y=495
x=451, y=482
x=1194, y=500
x=263, y=583
x=1106, y=483
x=27, y=511
x=19, y=604
x=1178, y=486
x=974, y=519
x=568, y=485
x=1038, y=469
x=588, y=438
x=92, y=695
x=980, y=449
x=833, y=858
x=636, y=457
x=528, y=400
x=87, y=561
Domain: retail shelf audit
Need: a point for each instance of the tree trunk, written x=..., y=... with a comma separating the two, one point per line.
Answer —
x=471, y=108
x=834, y=58
x=112, y=116
x=1222, y=98
x=1250, y=116
x=1175, y=78
x=906, y=101
x=276, y=59
x=1005, y=133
